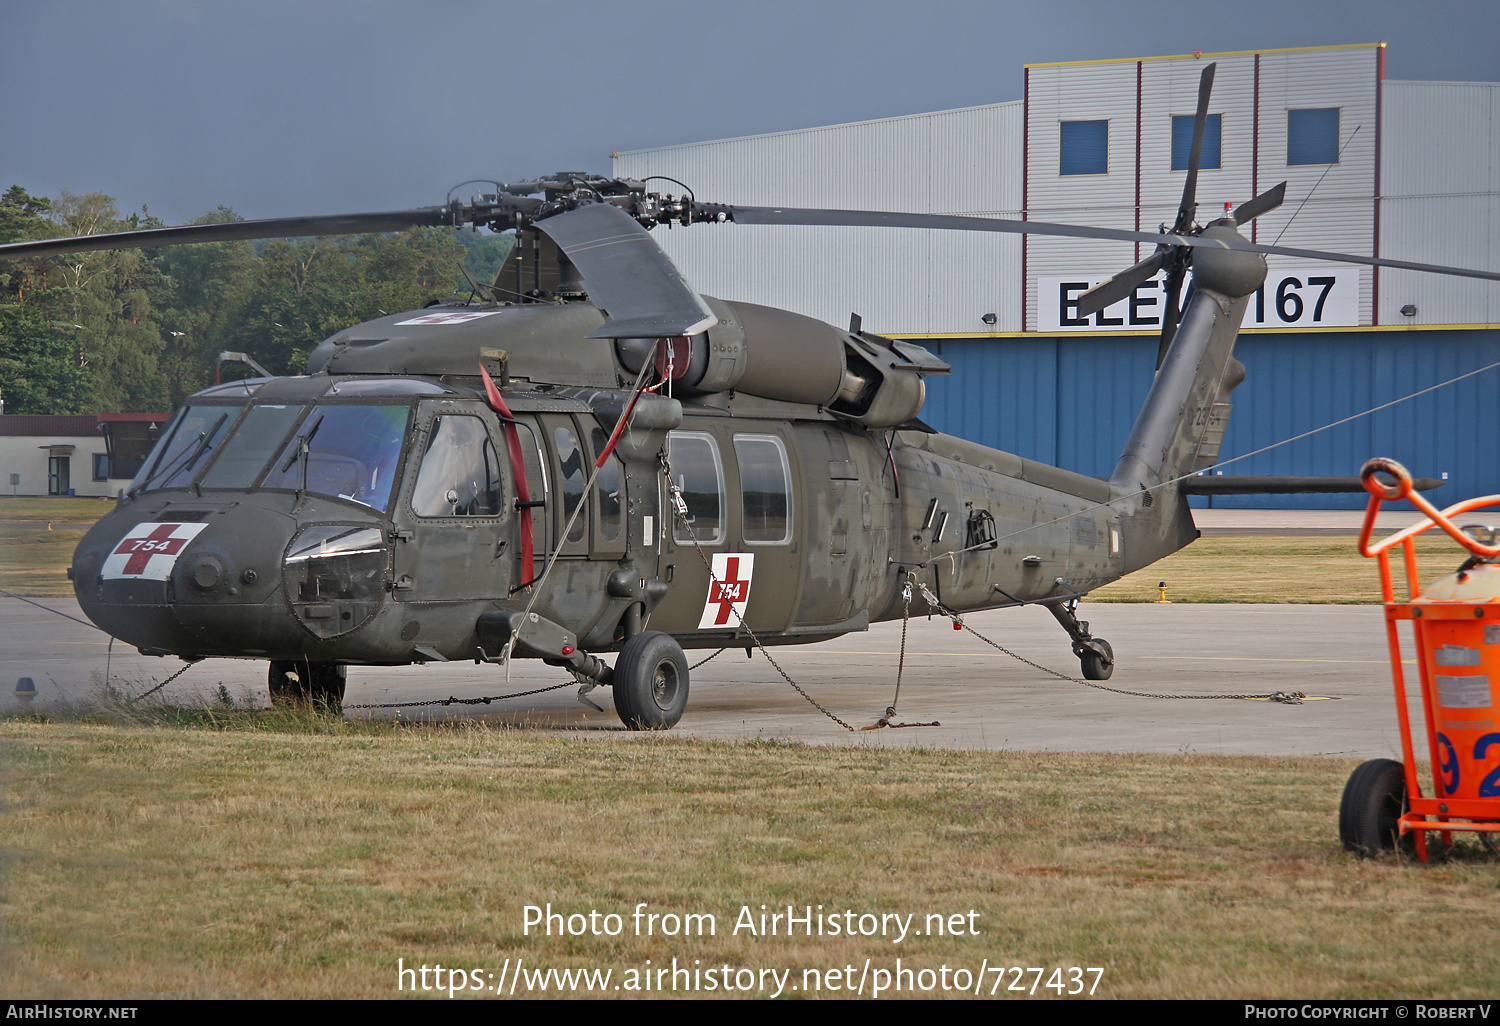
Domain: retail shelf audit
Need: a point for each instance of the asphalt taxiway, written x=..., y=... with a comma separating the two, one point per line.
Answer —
x=982, y=698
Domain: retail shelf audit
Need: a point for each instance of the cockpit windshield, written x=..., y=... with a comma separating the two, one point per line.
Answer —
x=352, y=452
x=185, y=447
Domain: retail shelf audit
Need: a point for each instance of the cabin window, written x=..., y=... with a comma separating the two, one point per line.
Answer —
x=571, y=480
x=460, y=475
x=765, y=489
x=611, y=492
x=1083, y=148
x=1312, y=136
x=1210, y=157
x=696, y=470
x=353, y=452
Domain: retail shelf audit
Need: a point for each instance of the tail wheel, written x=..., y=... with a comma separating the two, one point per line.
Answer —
x=300, y=682
x=1098, y=665
x=1370, y=813
x=651, y=682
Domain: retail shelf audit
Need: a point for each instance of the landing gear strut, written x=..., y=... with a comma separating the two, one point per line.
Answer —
x=1097, y=657
x=298, y=681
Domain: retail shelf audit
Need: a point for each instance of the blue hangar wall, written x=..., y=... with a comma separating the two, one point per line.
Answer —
x=1070, y=401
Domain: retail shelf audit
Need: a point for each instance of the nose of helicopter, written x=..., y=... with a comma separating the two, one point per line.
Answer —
x=240, y=580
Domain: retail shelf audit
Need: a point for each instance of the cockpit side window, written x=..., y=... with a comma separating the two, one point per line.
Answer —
x=460, y=475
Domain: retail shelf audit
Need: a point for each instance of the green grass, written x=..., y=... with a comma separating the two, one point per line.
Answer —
x=63, y=510
x=227, y=853
x=1276, y=568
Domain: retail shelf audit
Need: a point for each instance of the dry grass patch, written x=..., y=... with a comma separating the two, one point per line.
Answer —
x=233, y=854
x=1275, y=568
x=64, y=509
x=35, y=562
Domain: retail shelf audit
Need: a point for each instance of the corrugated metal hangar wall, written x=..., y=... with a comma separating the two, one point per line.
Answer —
x=1400, y=169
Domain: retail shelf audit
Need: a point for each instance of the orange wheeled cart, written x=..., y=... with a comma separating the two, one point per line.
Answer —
x=1456, y=622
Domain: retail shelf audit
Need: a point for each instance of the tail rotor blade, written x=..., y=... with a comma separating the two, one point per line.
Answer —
x=1121, y=285
x=1190, y=187
x=1262, y=204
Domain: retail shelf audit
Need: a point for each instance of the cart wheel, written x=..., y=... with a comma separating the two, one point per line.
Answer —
x=1374, y=800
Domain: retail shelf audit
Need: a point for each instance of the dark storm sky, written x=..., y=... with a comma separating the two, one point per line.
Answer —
x=309, y=107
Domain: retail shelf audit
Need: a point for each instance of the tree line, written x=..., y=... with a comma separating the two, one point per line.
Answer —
x=137, y=330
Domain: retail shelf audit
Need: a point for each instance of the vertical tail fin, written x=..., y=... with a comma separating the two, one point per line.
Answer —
x=1181, y=426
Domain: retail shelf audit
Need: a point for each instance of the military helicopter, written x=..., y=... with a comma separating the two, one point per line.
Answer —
x=587, y=457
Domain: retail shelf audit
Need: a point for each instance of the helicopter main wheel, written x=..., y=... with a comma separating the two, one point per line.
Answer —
x=651, y=682
x=300, y=682
x=1369, y=813
x=1097, y=666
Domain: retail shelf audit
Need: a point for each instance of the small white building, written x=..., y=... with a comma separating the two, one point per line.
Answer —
x=85, y=454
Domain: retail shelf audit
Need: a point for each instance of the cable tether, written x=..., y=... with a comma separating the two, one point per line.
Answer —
x=1287, y=697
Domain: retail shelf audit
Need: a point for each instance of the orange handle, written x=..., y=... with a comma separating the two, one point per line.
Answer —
x=1402, y=489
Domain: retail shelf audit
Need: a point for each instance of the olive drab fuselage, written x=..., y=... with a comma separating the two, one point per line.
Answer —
x=367, y=512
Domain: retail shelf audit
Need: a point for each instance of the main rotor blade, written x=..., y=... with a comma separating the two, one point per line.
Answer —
x=233, y=231
x=967, y=223
x=627, y=274
x=1189, y=205
x=1171, y=314
x=1262, y=204
x=1120, y=286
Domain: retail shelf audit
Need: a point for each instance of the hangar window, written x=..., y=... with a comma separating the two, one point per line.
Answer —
x=1210, y=158
x=1312, y=136
x=1084, y=148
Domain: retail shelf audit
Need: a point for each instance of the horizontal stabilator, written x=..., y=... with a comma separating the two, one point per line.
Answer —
x=1282, y=484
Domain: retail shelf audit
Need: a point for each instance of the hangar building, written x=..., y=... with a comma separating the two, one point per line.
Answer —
x=1409, y=170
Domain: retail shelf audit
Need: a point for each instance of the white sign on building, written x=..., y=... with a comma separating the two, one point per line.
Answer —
x=1295, y=295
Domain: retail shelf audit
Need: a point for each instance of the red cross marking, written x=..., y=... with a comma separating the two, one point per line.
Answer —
x=728, y=591
x=158, y=543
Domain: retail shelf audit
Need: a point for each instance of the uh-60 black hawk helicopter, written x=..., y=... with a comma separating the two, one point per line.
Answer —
x=593, y=458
